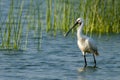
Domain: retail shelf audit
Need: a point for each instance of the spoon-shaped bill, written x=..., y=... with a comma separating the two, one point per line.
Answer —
x=71, y=29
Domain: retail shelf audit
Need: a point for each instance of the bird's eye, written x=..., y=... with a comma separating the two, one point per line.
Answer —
x=78, y=20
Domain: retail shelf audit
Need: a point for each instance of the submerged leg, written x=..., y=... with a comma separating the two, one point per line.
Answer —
x=85, y=61
x=94, y=60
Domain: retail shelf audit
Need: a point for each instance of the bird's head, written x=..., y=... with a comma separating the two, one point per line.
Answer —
x=78, y=21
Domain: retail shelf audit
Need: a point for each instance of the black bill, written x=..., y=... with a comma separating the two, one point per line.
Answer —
x=71, y=29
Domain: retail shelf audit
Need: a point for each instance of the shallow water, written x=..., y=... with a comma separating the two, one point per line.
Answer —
x=61, y=59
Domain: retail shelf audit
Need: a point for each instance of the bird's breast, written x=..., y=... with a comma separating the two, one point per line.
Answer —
x=81, y=45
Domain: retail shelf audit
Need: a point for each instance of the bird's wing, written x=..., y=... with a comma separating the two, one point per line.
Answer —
x=91, y=44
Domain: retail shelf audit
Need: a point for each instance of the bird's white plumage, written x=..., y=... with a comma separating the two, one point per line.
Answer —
x=86, y=44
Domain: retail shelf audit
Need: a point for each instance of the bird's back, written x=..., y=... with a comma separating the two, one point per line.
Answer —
x=87, y=45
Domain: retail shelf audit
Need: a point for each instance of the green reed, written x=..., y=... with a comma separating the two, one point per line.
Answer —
x=34, y=23
x=14, y=31
x=100, y=16
x=48, y=17
x=39, y=26
x=7, y=30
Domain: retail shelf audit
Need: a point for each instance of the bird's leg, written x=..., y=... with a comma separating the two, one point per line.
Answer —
x=94, y=60
x=85, y=61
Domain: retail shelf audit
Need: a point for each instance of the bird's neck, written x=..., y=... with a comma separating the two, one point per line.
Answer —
x=79, y=31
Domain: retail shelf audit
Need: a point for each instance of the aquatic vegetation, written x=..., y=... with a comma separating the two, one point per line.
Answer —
x=18, y=23
x=24, y=19
x=101, y=16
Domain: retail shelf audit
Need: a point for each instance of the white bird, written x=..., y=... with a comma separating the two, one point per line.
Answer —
x=86, y=44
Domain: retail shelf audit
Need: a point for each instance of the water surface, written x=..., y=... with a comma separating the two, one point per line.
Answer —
x=61, y=59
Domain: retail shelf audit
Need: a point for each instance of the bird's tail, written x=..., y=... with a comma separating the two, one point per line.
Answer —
x=96, y=53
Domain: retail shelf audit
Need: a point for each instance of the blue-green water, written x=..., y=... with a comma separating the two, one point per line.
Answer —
x=59, y=57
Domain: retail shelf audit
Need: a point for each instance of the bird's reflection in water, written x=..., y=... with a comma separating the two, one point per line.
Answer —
x=85, y=72
x=87, y=69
